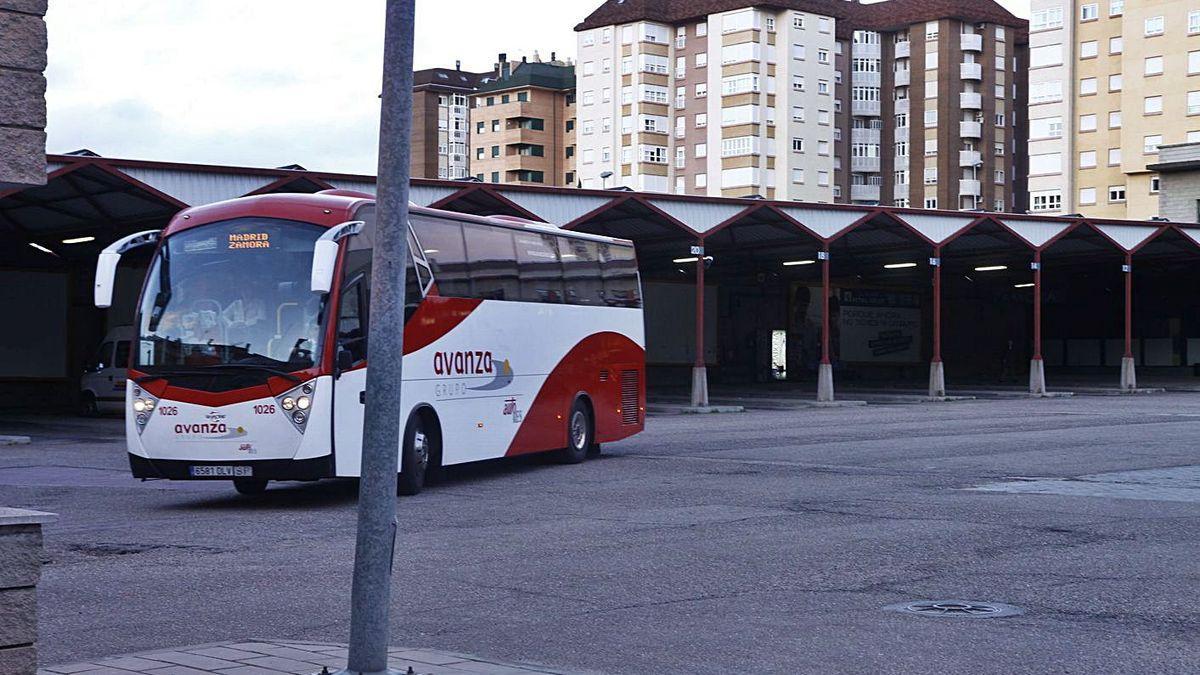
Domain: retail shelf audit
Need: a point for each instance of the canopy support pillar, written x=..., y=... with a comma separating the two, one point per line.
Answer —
x=825, y=369
x=1037, y=369
x=937, y=372
x=1128, y=371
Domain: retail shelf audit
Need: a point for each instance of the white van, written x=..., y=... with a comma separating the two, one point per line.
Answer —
x=102, y=387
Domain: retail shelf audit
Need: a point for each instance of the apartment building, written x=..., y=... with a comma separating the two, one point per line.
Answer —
x=903, y=102
x=1110, y=81
x=523, y=124
x=440, y=129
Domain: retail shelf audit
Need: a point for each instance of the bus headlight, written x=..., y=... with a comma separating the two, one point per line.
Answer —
x=296, y=403
x=143, y=405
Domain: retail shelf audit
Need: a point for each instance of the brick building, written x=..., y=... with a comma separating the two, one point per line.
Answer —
x=22, y=93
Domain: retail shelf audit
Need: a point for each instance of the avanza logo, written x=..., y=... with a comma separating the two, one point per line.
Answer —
x=202, y=428
x=462, y=363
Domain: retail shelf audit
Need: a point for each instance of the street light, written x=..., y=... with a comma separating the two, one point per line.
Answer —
x=604, y=176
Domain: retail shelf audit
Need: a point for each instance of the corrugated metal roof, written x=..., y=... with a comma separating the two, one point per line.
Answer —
x=937, y=228
x=196, y=188
x=365, y=186
x=699, y=216
x=423, y=195
x=825, y=222
x=556, y=209
x=1194, y=235
x=1127, y=237
x=51, y=167
x=1035, y=232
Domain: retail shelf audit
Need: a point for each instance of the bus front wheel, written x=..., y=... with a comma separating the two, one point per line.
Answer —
x=418, y=446
x=580, y=434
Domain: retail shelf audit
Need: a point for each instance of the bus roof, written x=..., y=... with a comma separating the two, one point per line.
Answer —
x=332, y=207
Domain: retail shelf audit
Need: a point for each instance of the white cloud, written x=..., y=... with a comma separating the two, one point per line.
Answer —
x=267, y=82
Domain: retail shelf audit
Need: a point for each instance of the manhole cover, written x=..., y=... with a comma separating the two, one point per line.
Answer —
x=956, y=608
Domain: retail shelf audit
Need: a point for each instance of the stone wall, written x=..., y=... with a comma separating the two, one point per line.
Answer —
x=20, y=568
x=1179, y=188
x=23, y=87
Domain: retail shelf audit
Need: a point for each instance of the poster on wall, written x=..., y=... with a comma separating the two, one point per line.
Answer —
x=877, y=326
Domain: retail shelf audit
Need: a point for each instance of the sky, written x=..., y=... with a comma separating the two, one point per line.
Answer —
x=266, y=82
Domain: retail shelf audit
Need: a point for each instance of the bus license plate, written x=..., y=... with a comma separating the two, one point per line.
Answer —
x=221, y=471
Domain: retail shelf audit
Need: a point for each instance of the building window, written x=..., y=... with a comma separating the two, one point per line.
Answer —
x=1150, y=144
x=931, y=202
x=823, y=87
x=931, y=176
x=823, y=178
x=797, y=113
x=1114, y=156
x=797, y=82
x=1193, y=22
x=823, y=148
x=823, y=117
x=1089, y=12
x=1087, y=122
x=1154, y=65
x=797, y=145
x=798, y=175
x=1045, y=92
x=1116, y=7
x=824, y=24
x=495, y=176
x=1088, y=50
x=1194, y=63
x=700, y=150
x=1046, y=200
x=1087, y=159
x=823, y=56
x=1114, y=119
x=1114, y=82
x=701, y=90
x=931, y=30
x=1152, y=105
x=701, y=120
x=1051, y=17
x=1193, y=103
x=1087, y=86
x=930, y=147
x=931, y=118
x=1047, y=164
x=1154, y=26
x=1155, y=184
x=1116, y=193
x=1115, y=45
x=702, y=59
x=998, y=149
x=1087, y=196
x=931, y=60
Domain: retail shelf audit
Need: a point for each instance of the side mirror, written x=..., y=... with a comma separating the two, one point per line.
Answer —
x=345, y=360
x=324, y=258
x=106, y=264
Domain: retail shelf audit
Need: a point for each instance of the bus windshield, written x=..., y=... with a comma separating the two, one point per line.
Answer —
x=231, y=295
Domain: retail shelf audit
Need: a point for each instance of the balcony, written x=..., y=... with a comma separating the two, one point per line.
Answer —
x=900, y=191
x=972, y=42
x=864, y=193
x=970, y=129
x=970, y=100
x=969, y=158
x=901, y=106
x=970, y=71
x=866, y=51
x=864, y=108
x=865, y=79
x=864, y=165
x=968, y=188
x=865, y=136
x=902, y=78
x=903, y=49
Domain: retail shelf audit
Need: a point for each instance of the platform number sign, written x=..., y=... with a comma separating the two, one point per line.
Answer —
x=697, y=250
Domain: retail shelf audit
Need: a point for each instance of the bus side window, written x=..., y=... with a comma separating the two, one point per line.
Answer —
x=581, y=272
x=619, y=271
x=493, y=262
x=121, y=360
x=352, y=325
x=539, y=268
x=442, y=244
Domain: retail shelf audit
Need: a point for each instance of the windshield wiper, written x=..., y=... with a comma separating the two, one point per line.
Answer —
x=252, y=366
x=167, y=373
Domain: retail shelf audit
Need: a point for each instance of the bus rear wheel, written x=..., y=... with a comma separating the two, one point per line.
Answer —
x=579, y=434
x=250, y=486
x=414, y=460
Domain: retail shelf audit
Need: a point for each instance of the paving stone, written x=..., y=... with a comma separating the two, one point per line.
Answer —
x=284, y=664
x=178, y=670
x=249, y=670
x=70, y=668
x=267, y=649
x=192, y=660
x=221, y=652
x=135, y=663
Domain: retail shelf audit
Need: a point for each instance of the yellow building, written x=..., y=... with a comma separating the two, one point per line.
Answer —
x=1109, y=82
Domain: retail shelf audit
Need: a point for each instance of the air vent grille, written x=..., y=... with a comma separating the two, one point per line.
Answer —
x=629, y=396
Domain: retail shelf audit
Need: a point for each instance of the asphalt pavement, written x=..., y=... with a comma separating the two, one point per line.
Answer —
x=759, y=542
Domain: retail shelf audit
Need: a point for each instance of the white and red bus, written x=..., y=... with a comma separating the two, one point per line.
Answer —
x=250, y=341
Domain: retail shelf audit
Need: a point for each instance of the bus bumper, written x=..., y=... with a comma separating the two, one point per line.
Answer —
x=270, y=469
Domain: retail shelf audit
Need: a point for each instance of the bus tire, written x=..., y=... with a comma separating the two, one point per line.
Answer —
x=580, y=434
x=250, y=486
x=414, y=460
